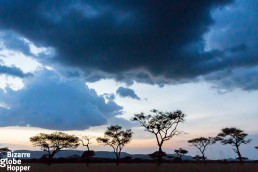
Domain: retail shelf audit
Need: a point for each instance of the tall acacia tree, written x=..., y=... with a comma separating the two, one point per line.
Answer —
x=85, y=140
x=54, y=142
x=116, y=138
x=162, y=124
x=201, y=143
x=234, y=137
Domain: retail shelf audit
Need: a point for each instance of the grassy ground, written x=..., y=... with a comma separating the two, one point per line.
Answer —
x=191, y=167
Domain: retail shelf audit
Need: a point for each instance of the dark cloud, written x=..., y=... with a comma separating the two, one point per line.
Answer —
x=52, y=102
x=13, y=71
x=127, y=92
x=114, y=36
x=235, y=36
x=155, y=42
x=227, y=80
x=234, y=25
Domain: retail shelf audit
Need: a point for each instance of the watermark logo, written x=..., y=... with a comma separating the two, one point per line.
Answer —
x=12, y=163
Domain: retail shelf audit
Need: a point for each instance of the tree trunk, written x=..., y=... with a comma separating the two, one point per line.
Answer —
x=87, y=159
x=88, y=155
x=239, y=155
x=160, y=155
x=117, y=160
x=50, y=158
x=203, y=157
x=117, y=157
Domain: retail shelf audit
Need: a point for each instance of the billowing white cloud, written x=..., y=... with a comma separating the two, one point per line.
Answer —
x=50, y=101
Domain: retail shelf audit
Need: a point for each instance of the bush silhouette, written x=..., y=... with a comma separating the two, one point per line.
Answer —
x=181, y=152
x=3, y=151
x=156, y=155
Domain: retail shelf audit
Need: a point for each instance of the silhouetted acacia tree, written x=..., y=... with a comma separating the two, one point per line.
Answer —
x=181, y=152
x=3, y=151
x=201, y=143
x=54, y=142
x=85, y=140
x=162, y=124
x=116, y=138
x=234, y=137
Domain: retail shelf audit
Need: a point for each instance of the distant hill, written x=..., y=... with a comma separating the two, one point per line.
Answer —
x=98, y=154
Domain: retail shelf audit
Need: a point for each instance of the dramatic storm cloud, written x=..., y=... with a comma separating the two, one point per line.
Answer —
x=52, y=102
x=235, y=33
x=155, y=42
x=146, y=41
x=127, y=92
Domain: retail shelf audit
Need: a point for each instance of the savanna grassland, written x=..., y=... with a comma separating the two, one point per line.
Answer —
x=143, y=167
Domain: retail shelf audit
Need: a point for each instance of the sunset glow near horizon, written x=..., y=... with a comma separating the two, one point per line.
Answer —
x=79, y=67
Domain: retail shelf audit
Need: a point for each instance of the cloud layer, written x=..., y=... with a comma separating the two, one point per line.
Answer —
x=157, y=42
x=49, y=101
x=149, y=41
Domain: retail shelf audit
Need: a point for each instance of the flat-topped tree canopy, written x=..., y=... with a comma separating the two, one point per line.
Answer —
x=163, y=124
x=54, y=142
x=181, y=151
x=233, y=136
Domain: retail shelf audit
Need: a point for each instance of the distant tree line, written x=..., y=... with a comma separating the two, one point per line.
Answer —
x=163, y=125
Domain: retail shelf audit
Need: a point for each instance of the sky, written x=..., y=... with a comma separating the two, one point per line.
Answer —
x=80, y=66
